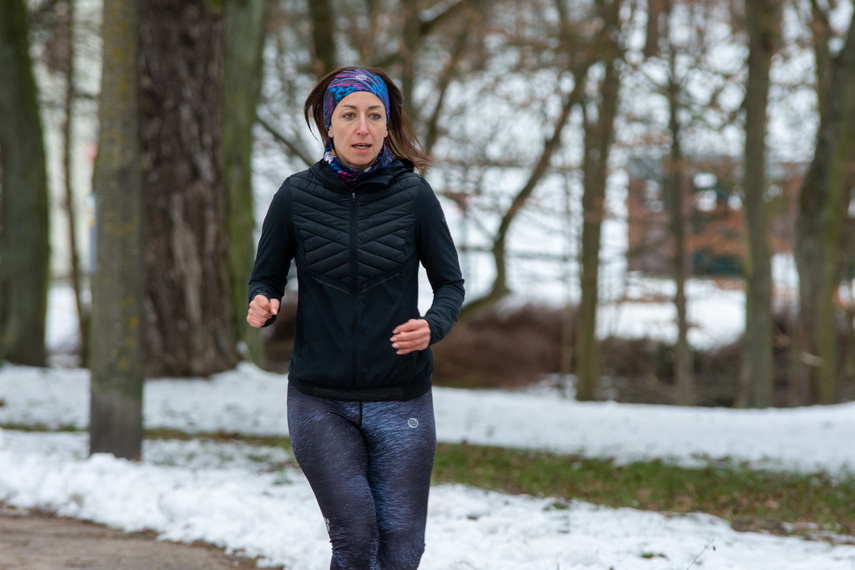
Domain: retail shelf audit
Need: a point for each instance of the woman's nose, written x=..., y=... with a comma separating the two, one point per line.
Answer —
x=362, y=125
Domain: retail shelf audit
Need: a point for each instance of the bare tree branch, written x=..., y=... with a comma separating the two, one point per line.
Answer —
x=294, y=148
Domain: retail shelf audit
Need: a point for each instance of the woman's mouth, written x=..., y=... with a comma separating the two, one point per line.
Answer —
x=362, y=146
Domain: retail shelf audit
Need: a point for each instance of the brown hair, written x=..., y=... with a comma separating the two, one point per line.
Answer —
x=401, y=141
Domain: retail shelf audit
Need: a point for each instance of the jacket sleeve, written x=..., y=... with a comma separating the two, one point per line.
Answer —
x=439, y=257
x=275, y=251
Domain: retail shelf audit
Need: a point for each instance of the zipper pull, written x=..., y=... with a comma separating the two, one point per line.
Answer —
x=353, y=194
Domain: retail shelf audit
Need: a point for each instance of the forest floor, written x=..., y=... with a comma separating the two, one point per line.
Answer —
x=39, y=541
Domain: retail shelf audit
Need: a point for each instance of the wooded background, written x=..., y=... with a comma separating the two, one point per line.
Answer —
x=531, y=111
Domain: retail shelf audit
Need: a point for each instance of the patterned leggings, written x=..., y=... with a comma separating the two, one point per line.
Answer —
x=369, y=465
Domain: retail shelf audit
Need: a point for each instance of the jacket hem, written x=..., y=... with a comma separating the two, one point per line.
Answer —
x=418, y=387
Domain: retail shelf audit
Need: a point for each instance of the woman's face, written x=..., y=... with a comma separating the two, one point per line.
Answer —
x=358, y=128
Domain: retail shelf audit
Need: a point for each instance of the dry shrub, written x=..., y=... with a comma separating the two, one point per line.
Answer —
x=501, y=347
x=642, y=370
x=637, y=357
x=514, y=346
x=280, y=336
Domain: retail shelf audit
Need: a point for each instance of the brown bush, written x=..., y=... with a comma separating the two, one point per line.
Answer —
x=280, y=339
x=500, y=347
x=517, y=346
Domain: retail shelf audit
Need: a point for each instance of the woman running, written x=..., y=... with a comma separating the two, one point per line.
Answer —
x=357, y=224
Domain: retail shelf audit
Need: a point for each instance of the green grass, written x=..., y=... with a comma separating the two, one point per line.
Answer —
x=37, y=427
x=810, y=505
x=268, y=440
x=782, y=503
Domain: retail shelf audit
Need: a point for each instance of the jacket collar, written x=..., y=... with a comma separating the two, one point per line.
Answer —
x=371, y=183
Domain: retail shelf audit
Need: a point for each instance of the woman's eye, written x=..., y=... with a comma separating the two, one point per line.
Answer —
x=376, y=116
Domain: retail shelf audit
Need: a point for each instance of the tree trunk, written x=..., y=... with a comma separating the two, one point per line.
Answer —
x=598, y=140
x=756, y=379
x=190, y=329
x=242, y=66
x=599, y=134
x=322, y=17
x=117, y=359
x=410, y=42
x=818, y=222
x=847, y=372
x=67, y=163
x=833, y=215
x=675, y=189
x=366, y=44
x=24, y=241
x=804, y=381
x=808, y=257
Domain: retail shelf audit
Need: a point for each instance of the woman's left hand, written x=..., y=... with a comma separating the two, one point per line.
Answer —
x=411, y=336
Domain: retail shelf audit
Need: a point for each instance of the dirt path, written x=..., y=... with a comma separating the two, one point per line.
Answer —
x=43, y=542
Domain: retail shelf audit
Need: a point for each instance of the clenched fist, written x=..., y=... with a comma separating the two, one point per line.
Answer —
x=411, y=336
x=260, y=310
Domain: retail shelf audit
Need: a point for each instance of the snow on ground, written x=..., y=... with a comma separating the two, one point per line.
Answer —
x=251, y=401
x=253, y=499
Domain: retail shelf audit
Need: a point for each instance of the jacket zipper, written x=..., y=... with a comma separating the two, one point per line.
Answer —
x=354, y=284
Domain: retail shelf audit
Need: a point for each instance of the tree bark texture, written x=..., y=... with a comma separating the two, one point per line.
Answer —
x=190, y=328
x=117, y=340
x=756, y=380
x=24, y=231
x=244, y=39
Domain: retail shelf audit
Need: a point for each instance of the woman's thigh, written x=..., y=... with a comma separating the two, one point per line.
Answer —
x=331, y=452
x=401, y=442
x=369, y=465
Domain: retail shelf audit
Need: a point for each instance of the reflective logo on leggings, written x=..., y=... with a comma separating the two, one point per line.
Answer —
x=413, y=423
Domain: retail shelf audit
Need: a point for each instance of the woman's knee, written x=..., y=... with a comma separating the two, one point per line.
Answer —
x=355, y=546
x=400, y=551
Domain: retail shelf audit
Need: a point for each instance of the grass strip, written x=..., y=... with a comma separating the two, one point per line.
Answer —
x=813, y=505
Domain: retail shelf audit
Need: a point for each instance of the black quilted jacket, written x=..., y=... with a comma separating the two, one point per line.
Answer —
x=357, y=252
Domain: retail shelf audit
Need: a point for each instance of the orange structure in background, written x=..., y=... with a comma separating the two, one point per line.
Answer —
x=712, y=199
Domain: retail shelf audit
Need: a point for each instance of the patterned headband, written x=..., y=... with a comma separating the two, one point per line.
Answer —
x=347, y=82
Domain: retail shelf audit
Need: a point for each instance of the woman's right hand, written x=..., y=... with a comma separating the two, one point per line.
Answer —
x=260, y=310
